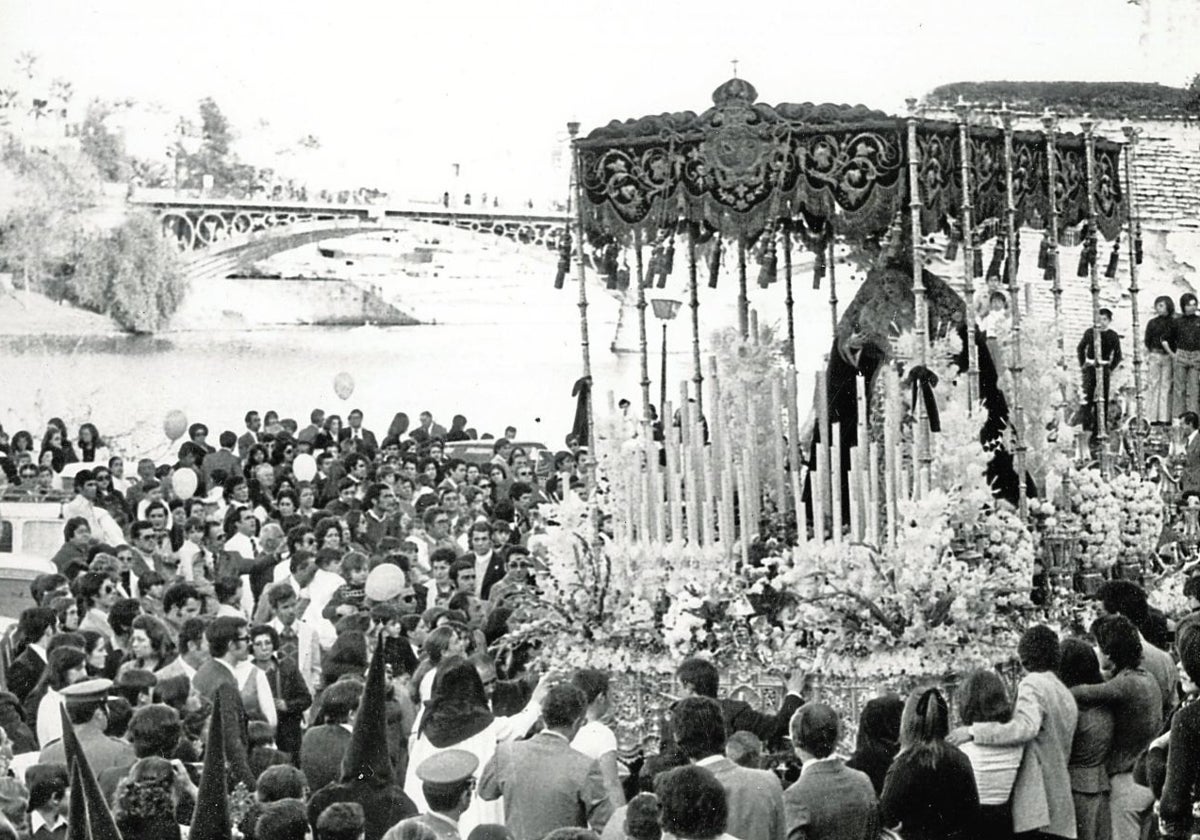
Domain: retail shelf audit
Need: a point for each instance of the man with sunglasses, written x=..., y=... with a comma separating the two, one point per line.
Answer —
x=517, y=578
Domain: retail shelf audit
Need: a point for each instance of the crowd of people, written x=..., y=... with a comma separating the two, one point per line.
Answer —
x=299, y=640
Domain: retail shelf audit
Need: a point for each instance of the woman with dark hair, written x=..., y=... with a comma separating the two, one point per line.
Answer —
x=930, y=788
x=328, y=439
x=398, y=426
x=57, y=437
x=52, y=457
x=329, y=534
x=458, y=717
x=96, y=648
x=145, y=802
x=22, y=441
x=257, y=454
x=982, y=699
x=91, y=446
x=109, y=498
x=1160, y=347
x=1093, y=741
x=878, y=738
x=150, y=645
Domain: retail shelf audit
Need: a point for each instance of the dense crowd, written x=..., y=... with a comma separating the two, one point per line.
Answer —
x=305, y=629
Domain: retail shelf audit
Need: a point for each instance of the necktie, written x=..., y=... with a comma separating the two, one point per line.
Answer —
x=289, y=645
x=254, y=546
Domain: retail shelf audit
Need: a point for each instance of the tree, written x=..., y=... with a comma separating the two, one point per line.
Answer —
x=104, y=148
x=132, y=274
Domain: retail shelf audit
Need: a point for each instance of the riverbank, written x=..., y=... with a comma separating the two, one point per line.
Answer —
x=30, y=313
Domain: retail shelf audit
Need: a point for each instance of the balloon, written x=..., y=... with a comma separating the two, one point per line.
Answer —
x=304, y=467
x=175, y=424
x=343, y=385
x=184, y=482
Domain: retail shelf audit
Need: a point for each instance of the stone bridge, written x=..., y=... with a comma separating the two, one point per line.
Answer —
x=218, y=234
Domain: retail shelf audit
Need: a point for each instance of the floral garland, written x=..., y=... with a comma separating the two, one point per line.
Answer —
x=1095, y=501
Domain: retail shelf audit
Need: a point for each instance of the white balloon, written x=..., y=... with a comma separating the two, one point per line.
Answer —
x=304, y=467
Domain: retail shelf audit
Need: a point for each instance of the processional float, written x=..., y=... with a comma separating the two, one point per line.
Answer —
x=758, y=182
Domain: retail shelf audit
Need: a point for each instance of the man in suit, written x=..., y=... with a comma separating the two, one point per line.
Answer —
x=829, y=801
x=251, y=435
x=48, y=801
x=228, y=646
x=699, y=677
x=37, y=626
x=364, y=438
x=447, y=779
x=323, y=746
x=1189, y=478
x=223, y=460
x=755, y=797
x=545, y=783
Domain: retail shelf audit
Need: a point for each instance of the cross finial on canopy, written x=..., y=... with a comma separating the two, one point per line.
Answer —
x=734, y=62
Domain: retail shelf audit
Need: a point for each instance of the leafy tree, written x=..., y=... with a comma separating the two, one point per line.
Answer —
x=104, y=148
x=132, y=274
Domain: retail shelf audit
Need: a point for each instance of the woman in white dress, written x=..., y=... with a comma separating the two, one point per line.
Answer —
x=458, y=717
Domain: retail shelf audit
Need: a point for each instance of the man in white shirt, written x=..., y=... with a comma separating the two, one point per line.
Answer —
x=245, y=544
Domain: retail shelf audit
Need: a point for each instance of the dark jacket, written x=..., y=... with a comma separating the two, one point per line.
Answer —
x=24, y=672
x=932, y=803
x=12, y=721
x=383, y=805
x=287, y=685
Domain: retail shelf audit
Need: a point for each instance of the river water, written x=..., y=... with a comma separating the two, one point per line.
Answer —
x=505, y=350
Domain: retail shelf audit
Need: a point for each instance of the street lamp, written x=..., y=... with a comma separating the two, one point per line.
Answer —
x=665, y=310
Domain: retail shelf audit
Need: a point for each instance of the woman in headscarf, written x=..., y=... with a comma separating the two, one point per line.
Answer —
x=458, y=717
x=878, y=738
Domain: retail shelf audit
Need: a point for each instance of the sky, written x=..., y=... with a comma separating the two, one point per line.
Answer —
x=398, y=92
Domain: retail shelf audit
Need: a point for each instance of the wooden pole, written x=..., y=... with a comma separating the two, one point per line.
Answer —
x=743, y=296
x=1135, y=233
x=789, y=301
x=921, y=312
x=1050, y=133
x=968, y=249
x=694, y=303
x=1089, y=134
x=584, y=343
x=643, y=346
x=1016, y=364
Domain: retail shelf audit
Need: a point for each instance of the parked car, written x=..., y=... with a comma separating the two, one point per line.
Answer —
x=481, y=452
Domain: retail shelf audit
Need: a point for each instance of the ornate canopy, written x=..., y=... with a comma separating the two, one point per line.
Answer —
x=741, y=165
